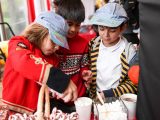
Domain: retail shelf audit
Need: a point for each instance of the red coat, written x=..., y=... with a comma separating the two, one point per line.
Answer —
x=25, y=67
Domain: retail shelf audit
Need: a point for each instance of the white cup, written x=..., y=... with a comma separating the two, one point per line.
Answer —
x=83, y=108
x=130, y=101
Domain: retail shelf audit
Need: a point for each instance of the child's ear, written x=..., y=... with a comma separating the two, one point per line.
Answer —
x=123, y=27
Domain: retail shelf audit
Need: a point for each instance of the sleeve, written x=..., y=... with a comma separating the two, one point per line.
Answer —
x=125, y=87
x=57, y=80
x=85, y=60
x=33, y=67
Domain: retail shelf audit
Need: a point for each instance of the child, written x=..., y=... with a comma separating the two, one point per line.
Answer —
x=31, y=62
x=55, y=4
x=110, y=53
x=74, y=60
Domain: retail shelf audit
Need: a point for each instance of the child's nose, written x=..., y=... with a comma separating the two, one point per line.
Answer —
x=56, y=47
x=106, y=32
x=73, y=28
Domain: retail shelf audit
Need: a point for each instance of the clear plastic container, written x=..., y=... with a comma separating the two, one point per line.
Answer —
x=114, y=109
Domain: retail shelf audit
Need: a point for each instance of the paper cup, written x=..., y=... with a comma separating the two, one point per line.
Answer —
x=130, y=101
x=83, y=108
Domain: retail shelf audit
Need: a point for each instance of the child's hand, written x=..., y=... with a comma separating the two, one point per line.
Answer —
x=70, y=94
x=87, y=76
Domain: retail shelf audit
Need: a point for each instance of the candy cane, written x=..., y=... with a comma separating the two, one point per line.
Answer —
x=17, y=116
x=12, y=117
x=47, y=103
x=73, y=116
x=39, y=113
x=55, y=115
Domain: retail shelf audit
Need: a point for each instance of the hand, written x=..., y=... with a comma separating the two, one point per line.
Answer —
x=87, y=76
x=70, y=94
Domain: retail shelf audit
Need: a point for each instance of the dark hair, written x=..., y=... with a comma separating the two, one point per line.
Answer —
x=72, y=10
x=57, y=2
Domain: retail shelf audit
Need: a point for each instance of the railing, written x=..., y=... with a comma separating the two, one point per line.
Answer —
x=5, y=23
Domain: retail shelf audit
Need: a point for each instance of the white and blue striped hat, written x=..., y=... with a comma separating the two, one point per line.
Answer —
x=110, y=15
x=56, y=26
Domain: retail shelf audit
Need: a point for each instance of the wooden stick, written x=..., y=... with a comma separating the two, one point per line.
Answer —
x=100, y=98
x=103, y=104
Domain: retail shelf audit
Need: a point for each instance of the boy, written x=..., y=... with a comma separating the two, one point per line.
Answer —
x=110, y=53
x=74, y=60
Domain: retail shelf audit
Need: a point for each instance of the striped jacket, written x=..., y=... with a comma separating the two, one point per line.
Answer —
x=125, y=85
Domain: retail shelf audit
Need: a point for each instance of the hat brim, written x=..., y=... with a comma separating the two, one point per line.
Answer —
x=59, y=39
x=109, y=22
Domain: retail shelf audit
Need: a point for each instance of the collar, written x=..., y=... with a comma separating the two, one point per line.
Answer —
x=111, y=48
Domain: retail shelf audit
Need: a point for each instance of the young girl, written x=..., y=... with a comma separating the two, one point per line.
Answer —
x=110, y=53
x=31, y=62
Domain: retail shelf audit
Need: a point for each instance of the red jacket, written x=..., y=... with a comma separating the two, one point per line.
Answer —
x=25, y=70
